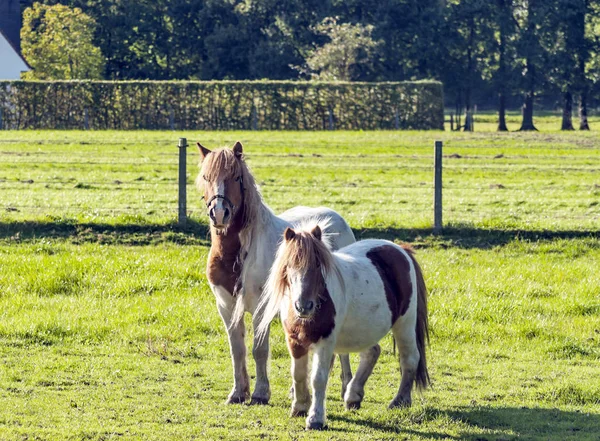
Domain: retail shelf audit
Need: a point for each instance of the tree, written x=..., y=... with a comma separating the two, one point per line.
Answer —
x=350, y=48
x=506, y=34
x=57, y=43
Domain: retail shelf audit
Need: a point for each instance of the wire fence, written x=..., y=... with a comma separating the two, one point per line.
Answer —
x=515, y=192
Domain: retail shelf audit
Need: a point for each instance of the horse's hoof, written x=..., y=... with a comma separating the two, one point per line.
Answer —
x=256, y=401
x=315, y=426
x=235, y=399
x=298, y=413
x=398, y=404
x=353, y=405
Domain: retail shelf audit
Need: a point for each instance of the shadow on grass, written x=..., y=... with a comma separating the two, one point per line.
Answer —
x=468, y=236
x=197, y=233
x=496, y=423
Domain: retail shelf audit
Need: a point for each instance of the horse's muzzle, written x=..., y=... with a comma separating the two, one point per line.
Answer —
x=305, y=308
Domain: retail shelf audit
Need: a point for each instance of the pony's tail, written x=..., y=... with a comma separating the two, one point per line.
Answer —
x=422, y=379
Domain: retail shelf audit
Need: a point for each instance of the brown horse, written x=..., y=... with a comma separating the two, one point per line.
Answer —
x=245, y=234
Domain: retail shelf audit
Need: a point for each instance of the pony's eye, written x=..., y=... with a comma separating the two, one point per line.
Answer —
x=204, y=177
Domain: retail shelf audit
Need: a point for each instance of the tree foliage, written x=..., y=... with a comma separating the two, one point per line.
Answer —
x=57, y=43
x=349, y=51
x=486, y=52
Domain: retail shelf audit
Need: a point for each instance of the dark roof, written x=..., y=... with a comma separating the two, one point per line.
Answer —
x=10, y=22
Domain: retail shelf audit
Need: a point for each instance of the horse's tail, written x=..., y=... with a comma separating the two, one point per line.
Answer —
x=422, y=379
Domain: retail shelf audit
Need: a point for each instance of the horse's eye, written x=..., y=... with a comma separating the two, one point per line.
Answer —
x=204, y=177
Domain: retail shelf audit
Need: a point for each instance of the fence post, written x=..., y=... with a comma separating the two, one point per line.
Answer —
x=437, y=193
x=1, y=125
x=182, y=216
x=452, y=122
x=331, y=125
x=396, y=119
x=86, y=119
x=171, y=119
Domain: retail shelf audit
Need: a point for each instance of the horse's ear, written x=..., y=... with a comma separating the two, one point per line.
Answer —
x=203, y=150
x=238, y=149
x=316, y=232
x=289, y=234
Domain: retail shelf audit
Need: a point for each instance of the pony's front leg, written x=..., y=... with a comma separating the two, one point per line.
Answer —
x=260, y=352
x=241, y=381
x=320, y=375
x=300, y=392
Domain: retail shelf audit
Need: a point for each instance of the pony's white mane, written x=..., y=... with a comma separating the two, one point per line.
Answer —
x=276, y=287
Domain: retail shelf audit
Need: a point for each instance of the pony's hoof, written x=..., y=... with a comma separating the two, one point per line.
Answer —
x=315, y=426
x=398, y=404
x=236, y=399
x=298, y=413
x=256, y=401
x=353, y=405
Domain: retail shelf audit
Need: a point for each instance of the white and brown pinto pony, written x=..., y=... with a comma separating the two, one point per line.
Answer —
x=346, y=301
x=245, y=235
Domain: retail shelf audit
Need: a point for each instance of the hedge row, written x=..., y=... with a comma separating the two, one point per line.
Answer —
x=220, y=105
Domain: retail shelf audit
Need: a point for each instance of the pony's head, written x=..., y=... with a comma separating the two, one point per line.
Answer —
x=224, y=179
x=300, y=270
x=300, y=273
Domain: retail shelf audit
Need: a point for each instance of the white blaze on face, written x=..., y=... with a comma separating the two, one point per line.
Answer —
x=296, y=285
x=219, y=206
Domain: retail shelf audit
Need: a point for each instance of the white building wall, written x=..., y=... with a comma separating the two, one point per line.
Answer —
x=11, y=64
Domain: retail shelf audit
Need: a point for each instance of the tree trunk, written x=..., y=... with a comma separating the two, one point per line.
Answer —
x=583, y=117
x=502, y=113
x=469, y=113
x=567, y=116
x=502, y=69
x=527, y=111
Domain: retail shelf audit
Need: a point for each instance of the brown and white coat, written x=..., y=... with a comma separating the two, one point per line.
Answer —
x=344, y=302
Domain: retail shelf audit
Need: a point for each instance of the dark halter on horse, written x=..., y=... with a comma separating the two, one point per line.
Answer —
x=225, y=198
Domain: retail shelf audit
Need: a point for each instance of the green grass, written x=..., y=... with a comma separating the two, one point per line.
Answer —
x=108, y=329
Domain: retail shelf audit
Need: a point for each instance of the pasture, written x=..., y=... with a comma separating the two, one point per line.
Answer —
x=108, y=329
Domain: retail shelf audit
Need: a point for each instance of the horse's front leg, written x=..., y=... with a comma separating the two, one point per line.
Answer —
x=300, y=392
x=260, y=352
x=320, y=375
x=237, y=346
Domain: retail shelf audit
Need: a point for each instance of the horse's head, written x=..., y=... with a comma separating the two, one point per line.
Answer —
x=305, y=262
x=221, y=179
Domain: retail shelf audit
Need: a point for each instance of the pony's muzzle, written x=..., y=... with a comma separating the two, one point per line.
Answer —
x=220, y=216
x=304, y=308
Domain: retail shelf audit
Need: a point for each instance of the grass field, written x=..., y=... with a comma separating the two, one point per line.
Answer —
x=108, y=329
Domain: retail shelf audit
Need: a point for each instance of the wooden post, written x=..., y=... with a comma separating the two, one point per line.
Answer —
x=1, y=122
x=86, y=119
x=452, y=122
x=171, y=118
x=182, y=216
x=331, y=126
x=437, y=193
x=396, y=119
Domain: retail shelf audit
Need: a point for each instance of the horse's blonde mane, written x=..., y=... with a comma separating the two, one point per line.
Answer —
x=303, y=252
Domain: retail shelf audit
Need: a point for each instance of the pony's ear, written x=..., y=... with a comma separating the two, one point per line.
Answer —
x=203, y=150
x=238, y=149
x=316, y=232
x=289, y=234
